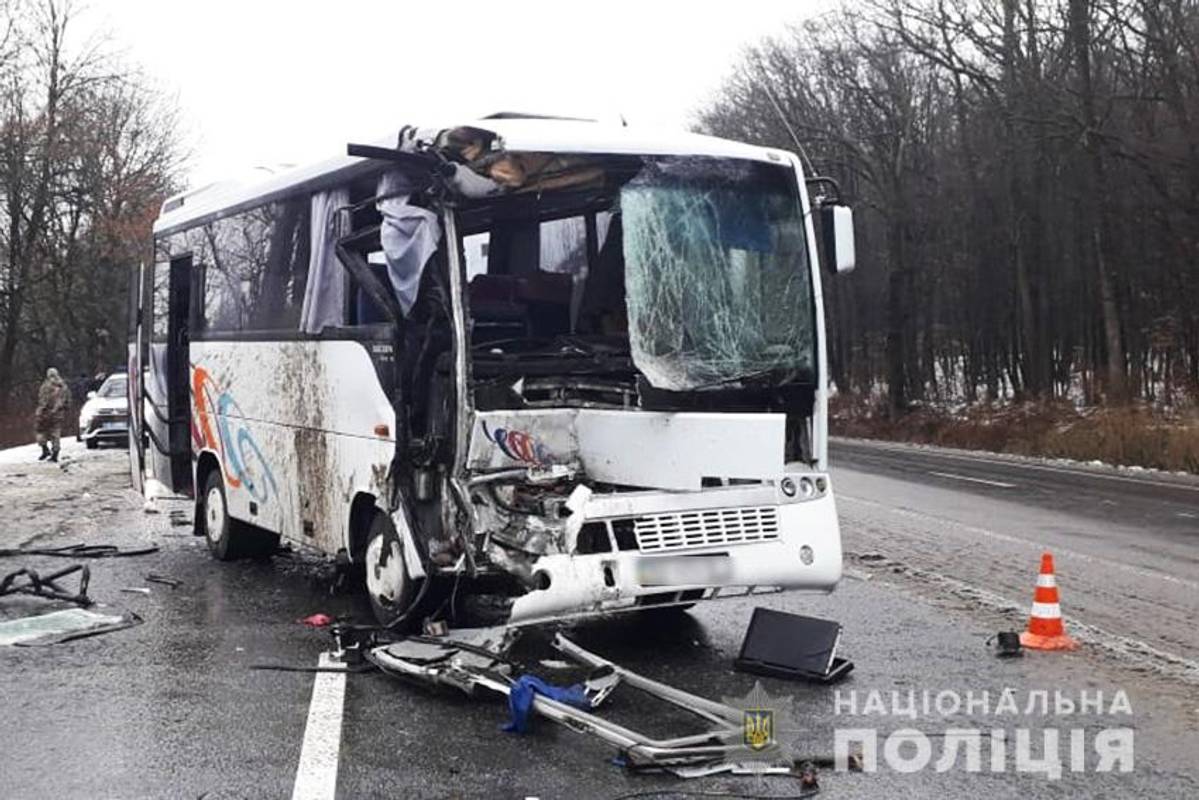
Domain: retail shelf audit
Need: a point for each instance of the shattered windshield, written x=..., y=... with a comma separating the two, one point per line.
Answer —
x=716, y=273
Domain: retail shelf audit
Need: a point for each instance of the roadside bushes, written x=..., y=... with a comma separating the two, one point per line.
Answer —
x=1128, y=436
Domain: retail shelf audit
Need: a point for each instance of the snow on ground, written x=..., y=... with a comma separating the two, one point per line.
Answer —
x=1068, y=463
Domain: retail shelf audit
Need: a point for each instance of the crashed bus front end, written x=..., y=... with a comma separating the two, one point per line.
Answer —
x=520, y=370
x=638, y=411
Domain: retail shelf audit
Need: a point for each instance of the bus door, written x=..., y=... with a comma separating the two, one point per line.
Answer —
x=135, y=359
x=167, y=409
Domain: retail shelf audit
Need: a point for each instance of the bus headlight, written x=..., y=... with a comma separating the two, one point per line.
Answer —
x=806, y=487
x=788, y=487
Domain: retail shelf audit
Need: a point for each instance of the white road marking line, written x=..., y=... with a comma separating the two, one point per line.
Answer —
x=921, y=517
x=316, y=777
x=957, y=477
x=1077, y=472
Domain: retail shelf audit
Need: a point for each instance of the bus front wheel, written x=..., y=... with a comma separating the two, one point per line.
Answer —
x=388, y=585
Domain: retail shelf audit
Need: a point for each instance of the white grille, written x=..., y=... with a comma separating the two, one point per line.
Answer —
x=711, y=527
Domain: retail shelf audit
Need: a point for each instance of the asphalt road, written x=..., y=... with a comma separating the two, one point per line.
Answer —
x=172, y=708
x=1126, y=543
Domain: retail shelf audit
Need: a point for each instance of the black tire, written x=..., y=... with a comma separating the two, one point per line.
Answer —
x=390, y=589
x=228, y=539
x=91, y=444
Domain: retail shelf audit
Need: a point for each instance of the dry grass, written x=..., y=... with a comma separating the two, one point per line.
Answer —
x=1130, y=436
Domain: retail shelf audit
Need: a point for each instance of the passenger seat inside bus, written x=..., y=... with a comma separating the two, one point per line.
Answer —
x=515, y=298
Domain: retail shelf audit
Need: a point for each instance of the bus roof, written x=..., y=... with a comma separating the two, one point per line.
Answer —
x=527, y=134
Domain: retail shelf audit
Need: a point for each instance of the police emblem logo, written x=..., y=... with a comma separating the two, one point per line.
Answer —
x=759, y=724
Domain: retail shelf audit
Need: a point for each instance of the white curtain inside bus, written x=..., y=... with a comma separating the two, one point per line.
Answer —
x=324, y=296
x=409, y=235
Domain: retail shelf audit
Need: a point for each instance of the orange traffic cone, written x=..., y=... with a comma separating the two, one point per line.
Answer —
x=1045, y=630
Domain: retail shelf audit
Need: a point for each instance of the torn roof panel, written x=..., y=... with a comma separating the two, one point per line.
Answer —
x=515, y=135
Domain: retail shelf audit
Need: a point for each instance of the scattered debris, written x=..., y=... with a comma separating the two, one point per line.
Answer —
x=135, y=590
x=469, y=668
x=63, y=626
x=179, y=518
x=154, y=577
x=1007, y=644
x=28, y=581
x=553, y=663
x=792, y=646
x=81, y=551
x=317, y=620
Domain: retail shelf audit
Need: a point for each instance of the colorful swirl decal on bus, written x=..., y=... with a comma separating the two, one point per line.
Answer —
x=242, y=461
x=518, y=445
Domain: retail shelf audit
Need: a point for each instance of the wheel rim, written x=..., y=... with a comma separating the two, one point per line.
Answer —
x=214, y=514
x=385, y=576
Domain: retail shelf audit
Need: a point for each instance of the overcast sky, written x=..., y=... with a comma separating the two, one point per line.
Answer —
x=262, y=82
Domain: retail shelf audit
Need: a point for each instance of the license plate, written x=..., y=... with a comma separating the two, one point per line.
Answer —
x=696, y=570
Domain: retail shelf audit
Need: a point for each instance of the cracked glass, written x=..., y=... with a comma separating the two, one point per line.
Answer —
x=716, y=271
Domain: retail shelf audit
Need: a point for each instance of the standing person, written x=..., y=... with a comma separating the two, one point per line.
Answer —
x=53, y=397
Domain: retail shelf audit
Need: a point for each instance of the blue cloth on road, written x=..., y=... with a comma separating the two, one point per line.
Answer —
x=520, y=699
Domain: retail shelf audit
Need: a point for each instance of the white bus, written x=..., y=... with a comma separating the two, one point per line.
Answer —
x=553, y=367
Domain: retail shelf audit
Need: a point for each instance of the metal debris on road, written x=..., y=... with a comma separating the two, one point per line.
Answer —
x=80, y=551
x=63, y=626
x=472, y=670
x=154, y=577
x=135, y=590
x=29, y=581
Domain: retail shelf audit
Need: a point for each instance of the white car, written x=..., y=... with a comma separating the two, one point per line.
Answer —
x=105, y=415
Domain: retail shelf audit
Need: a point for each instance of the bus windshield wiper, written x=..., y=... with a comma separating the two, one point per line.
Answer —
x=734, y=379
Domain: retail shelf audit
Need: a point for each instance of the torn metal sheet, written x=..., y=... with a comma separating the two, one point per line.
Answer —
x=63, y=626
x=675, y=450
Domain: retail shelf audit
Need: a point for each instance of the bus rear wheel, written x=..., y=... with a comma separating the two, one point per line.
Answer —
x=228, y=539
x=388, y=585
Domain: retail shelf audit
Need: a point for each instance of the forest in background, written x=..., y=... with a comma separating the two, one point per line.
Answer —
x=1025, y=176
x=88, y=151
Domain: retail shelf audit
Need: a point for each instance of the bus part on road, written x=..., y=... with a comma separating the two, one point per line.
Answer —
x=722, y=748
x=522, y=369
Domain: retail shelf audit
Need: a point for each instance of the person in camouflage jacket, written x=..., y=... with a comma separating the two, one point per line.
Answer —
x=53, y=398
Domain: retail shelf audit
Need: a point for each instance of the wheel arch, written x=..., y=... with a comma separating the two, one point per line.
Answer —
x=362, y=510
x=206, y=462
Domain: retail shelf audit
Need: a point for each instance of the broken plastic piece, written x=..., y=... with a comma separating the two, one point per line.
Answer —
x=317, y=620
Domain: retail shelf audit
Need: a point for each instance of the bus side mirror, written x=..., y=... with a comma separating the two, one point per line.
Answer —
x=836, y=222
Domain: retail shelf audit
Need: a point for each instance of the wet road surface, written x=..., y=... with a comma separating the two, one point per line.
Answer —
x=1126, y=544
x=171, y=708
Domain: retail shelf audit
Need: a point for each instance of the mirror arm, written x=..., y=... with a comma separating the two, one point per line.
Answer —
x=824, y=180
